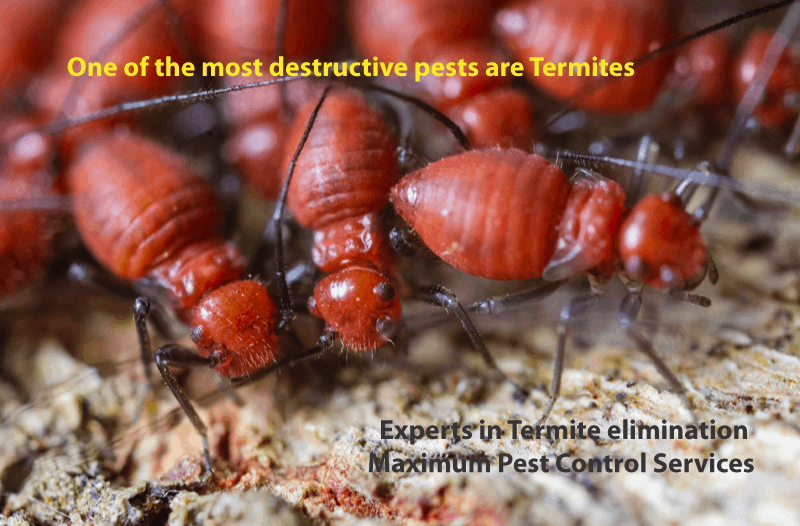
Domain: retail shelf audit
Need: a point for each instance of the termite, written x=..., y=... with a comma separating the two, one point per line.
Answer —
x=22, y=24
x=490, y=110
x=337, y=184
x=559, y=228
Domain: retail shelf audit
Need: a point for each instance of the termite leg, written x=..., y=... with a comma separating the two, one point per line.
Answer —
x=173, y=354
x=713, y=273
x=631, y=304
x=141, y=309
x=91, y=274
x=558, y=369
x=406, y=242
x=646, y=348
x=574, y=309
x=523, y=299
x=442, y=297
x=647, y=153
x=495, y=305
x=694, y=299
x=792, y=146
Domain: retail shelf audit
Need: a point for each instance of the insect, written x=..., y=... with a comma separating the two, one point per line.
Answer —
x=25, y=235
x=490, y=111
x=780, y=103
x=556, y=230
x=22, y=23
x=144, y=214
x=581, y=34
x=142, y=307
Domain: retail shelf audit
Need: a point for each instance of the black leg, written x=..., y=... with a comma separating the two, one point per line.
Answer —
x=629, y=311
x=515, y=301
x=444, y=298
x=646, y=347
x=631, y=304
x=558, y=369
x=576, y=308
x=141, y=309
x=324, y=344
x=173, y=354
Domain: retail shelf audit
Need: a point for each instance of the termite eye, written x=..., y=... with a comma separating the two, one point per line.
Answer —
x=385, y=326
x=196, y=334
x=384, y=291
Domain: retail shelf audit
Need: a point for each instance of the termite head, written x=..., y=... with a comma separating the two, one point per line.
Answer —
x=236, y=325
x=660, y=243
x=360, y=305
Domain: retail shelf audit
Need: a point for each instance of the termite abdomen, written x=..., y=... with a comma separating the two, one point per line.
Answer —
x=460, y=207
x=348, y=165
x=142, y=212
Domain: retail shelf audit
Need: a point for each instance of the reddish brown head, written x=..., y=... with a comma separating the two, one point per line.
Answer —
x=236, y=324
x=660, y=244
x=360, y=304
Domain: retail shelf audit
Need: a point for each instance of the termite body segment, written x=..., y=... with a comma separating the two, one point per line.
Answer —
x=144, y=214
x=341, y=182
x=588, y=32
x=509, y=215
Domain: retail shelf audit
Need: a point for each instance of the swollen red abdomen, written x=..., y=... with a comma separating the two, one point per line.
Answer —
x=347, y=166
x=137, y=204
x=491, y=213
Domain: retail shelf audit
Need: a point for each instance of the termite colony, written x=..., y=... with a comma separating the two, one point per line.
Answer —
x=153, y=226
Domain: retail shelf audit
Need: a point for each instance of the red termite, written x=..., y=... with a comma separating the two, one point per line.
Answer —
x=455, y=33
x=784, y=84
x=145, y=215
x=21, y=27
x=26, y=235
x=241, y=31
x=341, y=183
x=337, y=184
x=469, y=211
x=120, y=32
x=582, y=31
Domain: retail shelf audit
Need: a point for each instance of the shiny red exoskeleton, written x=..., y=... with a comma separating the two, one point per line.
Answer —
x=585, y=30
x=245, y=30
x=258, y=132
x=773, y=110
x=469, y=210
x=456, y=32
x=22, y=24
x=129, y=31
x=26, y=235
x=702, y=70
x=144, y=214
x=93, y=25
x=341, y=183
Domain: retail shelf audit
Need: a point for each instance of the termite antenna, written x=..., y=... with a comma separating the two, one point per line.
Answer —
x=711, y=178
x=60, y=125
x=454, y=128
x=287, y=312
x=664, y=50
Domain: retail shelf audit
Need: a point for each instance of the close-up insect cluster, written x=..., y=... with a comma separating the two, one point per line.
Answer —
x=215, y=291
